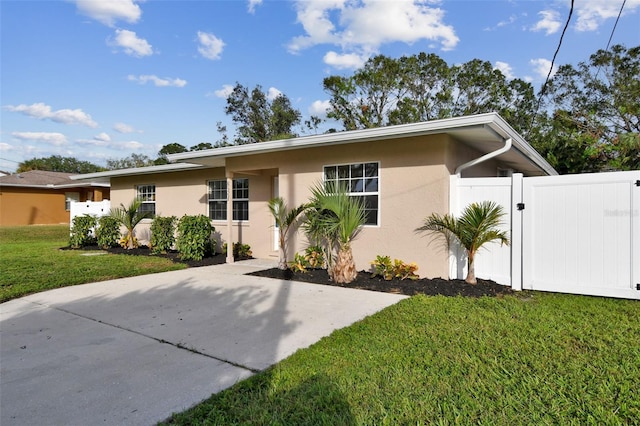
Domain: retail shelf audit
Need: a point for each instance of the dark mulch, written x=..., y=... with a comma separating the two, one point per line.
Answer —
x=364, y=281
x=174, y=256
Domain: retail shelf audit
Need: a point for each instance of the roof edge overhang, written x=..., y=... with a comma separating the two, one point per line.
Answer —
x=164, y=168
x=54, y=186
x=491, y=120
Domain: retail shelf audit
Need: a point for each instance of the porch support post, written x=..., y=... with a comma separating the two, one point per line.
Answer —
x=230, y=258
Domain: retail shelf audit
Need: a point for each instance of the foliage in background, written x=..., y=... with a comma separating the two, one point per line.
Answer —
x=129, y=217
x=240, y=250
x=383, y=267
x=82, y=231
x=285, y=220
x=334, y=219
x=108, y=232
x=163, y=233
x=479, y=224
x=194, y=240
x=57, y=163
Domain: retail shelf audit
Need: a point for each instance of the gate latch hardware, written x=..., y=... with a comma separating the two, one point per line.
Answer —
x=520, y=206
x=637, y=286
x=638, y=182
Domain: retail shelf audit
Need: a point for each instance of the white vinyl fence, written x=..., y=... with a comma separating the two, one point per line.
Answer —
x=94, y=208
x=572, y=234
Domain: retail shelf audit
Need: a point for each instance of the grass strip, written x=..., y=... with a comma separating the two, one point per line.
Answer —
x=32, y=261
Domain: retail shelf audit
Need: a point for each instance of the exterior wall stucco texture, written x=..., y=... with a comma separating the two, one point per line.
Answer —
x=414, y=182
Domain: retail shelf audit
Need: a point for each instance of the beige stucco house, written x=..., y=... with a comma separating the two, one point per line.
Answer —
x=401, y=172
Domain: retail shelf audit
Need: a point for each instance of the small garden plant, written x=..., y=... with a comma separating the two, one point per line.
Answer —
x=129, y=217
x=108, y=232
x=240, y=250
x=313, y=258
x=163, y=234
x=388, y=270
x=194, y=237
x=82, y=231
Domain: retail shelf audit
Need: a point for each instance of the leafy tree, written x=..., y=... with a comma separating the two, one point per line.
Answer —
x=285, y=220
x=201, y=146
x=130, y=217
x=478, y=225
x=57, y=163
x=258, y=118
x=130, y=162
x=423, y=87
x=591, y=120
x=337, y=219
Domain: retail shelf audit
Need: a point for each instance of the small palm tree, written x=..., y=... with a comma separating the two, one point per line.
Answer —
x=338, y=219
x=285, y=219
x=478, y=225
x=129, y=217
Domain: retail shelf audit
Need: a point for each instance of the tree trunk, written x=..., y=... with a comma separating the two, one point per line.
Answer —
x=344, y=270
x=282, y=263
x=471, y=272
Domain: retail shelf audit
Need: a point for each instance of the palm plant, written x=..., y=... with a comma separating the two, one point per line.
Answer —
x=478, y=225
x=285, y=219
x=129, y=217
x=336, y=218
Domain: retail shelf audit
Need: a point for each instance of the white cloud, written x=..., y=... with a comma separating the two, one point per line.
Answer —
x=131, y=44
x=549, y=23
x=123, y=128
x=102, y=137
x=110, y=11
x=273, y=93
x=541, y=67
x=210, y=45
x=253, y=4
x=505, y=69
x=159, y=82
x=5, y=147
x=117, y=145
x=320, y=108
x=592, y=13
x=364, y=26
x=42, y=111
x=51, y=138
x=224, y=93
x=346, y=60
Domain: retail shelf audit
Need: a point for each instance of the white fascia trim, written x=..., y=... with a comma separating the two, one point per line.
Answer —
x=138, y=171
x=388, y=132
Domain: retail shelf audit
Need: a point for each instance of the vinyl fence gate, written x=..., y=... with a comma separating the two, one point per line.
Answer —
x=570, y=234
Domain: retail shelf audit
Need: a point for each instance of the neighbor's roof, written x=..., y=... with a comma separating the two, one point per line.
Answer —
x=484, y=132
x=43, y=179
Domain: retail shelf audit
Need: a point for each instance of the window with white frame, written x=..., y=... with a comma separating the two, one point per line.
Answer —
x=70, y=197
x=361, y=180
x=147, y=196
x=218, y=199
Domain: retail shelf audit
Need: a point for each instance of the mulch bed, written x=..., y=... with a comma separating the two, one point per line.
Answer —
x=364, y=281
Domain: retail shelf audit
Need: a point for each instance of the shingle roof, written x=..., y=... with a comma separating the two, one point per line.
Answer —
x=37, y=178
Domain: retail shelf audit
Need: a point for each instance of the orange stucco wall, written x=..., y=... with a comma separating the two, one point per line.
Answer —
x=35, y=206
x=414, y=182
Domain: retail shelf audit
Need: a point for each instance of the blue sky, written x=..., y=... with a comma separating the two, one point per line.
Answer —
x=100, y=79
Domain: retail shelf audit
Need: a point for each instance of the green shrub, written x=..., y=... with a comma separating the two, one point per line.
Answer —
x=163, y=234
x=82, y=231
x=239, y=250
x=388, y=270
x=299, y=263
x=194, y=237
x=108, y=232
x=313, y=258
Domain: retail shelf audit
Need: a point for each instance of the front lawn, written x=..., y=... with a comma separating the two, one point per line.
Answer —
x=533, y=358
x=31, y=261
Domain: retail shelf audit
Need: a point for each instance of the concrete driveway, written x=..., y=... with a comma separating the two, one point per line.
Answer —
x=133, y=351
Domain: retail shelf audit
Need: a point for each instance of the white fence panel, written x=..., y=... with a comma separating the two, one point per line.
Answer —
x=493, y=261
x=94, y=208
x=581, y=234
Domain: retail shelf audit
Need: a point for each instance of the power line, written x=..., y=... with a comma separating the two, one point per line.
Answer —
x=553, y=60
x=616, y=24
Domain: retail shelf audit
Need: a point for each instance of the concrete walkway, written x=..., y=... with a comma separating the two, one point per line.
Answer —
x=133, y=351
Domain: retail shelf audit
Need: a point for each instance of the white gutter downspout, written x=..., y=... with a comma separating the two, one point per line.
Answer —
x=490, y=155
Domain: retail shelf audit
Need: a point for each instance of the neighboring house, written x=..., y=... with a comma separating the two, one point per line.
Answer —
x=402, y=173
x=39, y=197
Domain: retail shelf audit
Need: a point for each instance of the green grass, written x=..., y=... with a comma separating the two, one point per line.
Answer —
x=530, y=359
x=31, y=261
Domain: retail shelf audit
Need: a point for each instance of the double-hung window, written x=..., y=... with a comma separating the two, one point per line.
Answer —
x=147, y=196
x=361, y=180
x=218, y=199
